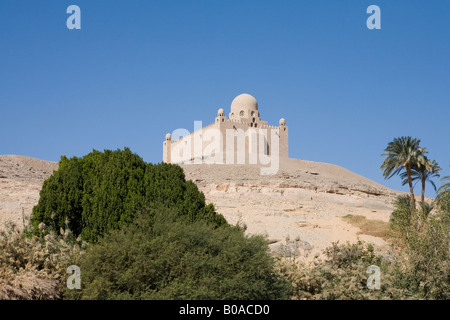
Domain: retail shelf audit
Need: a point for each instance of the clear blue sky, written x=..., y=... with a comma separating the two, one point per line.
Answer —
x=139, y=69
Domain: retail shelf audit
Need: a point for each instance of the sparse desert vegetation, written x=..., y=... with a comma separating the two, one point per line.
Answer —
x=417, y=267
x=376, y=228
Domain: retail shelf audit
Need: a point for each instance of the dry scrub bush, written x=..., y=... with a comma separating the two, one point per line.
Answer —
x=340, y=276
x=32, y=267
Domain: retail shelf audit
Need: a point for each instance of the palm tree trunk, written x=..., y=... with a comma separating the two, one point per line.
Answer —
x=411, y=190
x=423, y=190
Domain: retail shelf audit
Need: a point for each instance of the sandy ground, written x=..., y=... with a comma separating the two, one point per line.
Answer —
x=304, y=200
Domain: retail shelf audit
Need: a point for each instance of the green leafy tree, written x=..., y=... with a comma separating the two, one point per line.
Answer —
x=402, y=154
x=103, y=191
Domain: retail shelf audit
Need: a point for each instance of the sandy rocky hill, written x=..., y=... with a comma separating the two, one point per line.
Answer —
x=304, y=200
x=21, y=180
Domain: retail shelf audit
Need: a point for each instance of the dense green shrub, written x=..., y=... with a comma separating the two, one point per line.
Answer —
x=424, y=234
x=103, y=191
x=401, y=217
x=163, y=256
x=424, y=244
x=427, y=268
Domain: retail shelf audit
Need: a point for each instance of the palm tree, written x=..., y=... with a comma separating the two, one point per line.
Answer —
x=402, y=154
x=444, y=190
x=423, y=171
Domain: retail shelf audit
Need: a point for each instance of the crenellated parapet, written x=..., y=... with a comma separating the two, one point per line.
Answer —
x=242, y=134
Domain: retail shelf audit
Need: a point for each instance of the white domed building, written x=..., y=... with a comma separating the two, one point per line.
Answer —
x=239, y=139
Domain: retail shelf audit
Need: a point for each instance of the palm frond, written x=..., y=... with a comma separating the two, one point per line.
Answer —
x=401, y=153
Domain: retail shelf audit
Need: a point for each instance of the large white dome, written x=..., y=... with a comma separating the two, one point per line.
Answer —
x=244, y=102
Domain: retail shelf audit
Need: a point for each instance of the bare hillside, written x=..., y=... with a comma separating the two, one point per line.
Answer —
x=303, y=200
x=21, y=180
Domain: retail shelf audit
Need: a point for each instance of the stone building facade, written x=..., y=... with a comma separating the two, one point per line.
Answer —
x=242, y=138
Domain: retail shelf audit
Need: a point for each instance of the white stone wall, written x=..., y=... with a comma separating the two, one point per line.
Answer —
x=229, y=142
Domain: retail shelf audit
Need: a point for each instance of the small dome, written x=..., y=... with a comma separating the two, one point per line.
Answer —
x=282, y=122
x=220, y=112
x=168, y=136
x=243, y=102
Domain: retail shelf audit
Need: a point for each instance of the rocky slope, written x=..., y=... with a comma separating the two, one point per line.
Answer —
x=21, y=180
x=304, y=200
